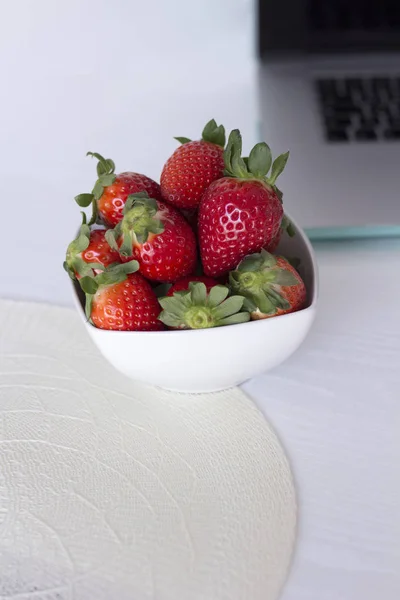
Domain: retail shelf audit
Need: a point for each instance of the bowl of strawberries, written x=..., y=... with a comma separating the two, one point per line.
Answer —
x=200, y=282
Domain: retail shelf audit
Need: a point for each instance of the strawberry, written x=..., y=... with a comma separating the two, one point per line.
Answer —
x=199, y=309
x=271, y=285
x=183, y=284
x=121, y=299
x=157, y=236
x=193, y=166
x=242, y=213
x=111, y=191
x=89, y=253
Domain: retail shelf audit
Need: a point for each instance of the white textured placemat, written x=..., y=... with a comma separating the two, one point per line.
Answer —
x=111, y=490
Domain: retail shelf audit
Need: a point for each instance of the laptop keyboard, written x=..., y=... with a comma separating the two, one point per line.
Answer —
x=359, y=109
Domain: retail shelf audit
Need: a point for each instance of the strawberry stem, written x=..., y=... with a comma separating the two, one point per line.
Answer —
x=105, y=171
x=259, y=278
x=139, y=222
x=113, y=274
x=213, y=133
x=197, y=309
x=258, y=163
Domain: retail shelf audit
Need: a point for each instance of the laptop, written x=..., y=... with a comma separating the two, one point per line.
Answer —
x=329, y=91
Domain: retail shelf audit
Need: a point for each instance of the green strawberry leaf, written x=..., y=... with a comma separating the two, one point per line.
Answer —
x=106, y=180
x=98, y=190
x=217, y=294
x=198, y=293
x=264, y=303
x=229, y=307
x=111, y=240
x=69, y=271
x=249, y=305
x=209, y=128
x=170, y=305
x=105, y=166
x=182, y=140
x=260, y=160
x=214, y=133
x=84, y=200
x=277, y=300
x=89, y=285
x=277, y=167
x=81, y=242
x=241, y=317
x=228, y=154
x=111, y=165
x=239, y=167
x=285, y=278
x=254, y=262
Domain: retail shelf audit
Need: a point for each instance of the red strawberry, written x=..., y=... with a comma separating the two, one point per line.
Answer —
x=89, y=253
x=193, y=166
x=120, y=299
x=199, y=309
x=110, y=192
x=183, y=284
x=242, y=213
x=270, y=285
x=157, y=236
x=113, y=199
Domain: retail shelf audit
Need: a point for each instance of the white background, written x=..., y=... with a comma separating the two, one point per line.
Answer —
x=120, y=78
x=123, y=78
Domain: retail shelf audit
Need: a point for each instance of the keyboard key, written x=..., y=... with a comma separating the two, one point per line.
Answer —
x=369, y=123
x=392, y=134
x=396, y=84
x=337, y=135
x=354, y=84
x=380, y=83
x=338, y=120
x=346, y=104
x=366, y=135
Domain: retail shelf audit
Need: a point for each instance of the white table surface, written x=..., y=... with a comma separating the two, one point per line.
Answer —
x=336, y=408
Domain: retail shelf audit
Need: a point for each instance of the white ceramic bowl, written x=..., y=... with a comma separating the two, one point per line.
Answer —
x=207, y=360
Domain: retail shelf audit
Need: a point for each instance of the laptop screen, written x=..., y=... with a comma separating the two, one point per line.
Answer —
x=328, y=26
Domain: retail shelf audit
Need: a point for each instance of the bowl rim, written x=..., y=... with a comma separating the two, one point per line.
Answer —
x=217, y=330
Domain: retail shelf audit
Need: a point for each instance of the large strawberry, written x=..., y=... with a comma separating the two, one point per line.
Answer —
x=121, y=299
x=110, y=191
x=157, y=236
x=241, y=213
x=183, y=284
x=199, y=309
x=89, y=253
x=270, y=284
x=193, y=166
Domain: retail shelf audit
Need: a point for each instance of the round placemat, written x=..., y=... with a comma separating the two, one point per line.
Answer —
x=109, y=489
